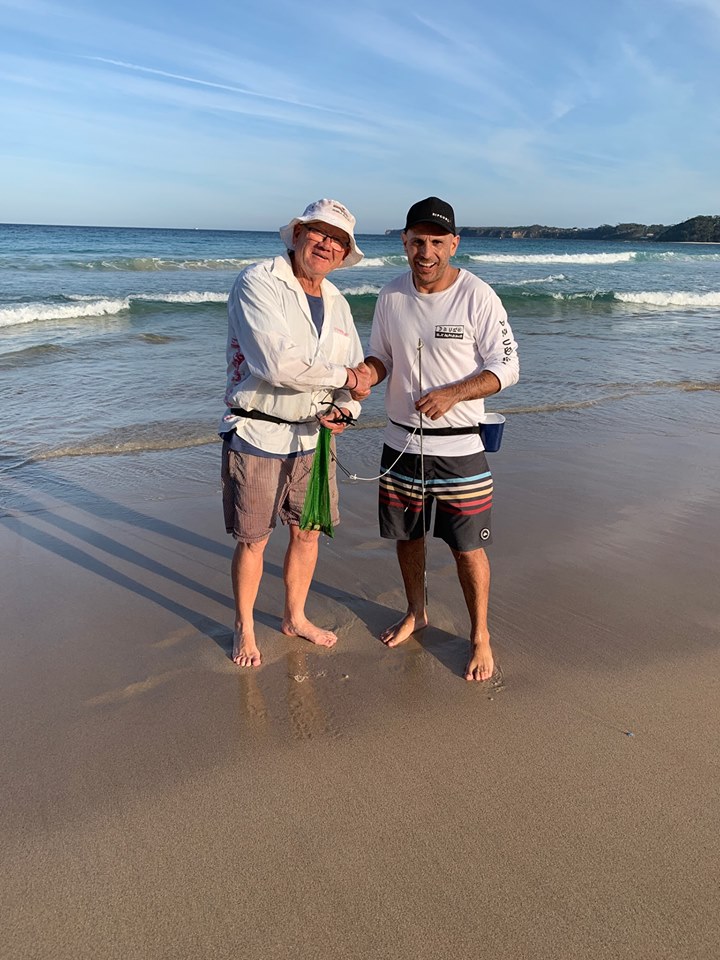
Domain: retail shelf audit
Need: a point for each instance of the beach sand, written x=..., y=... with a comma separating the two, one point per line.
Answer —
x=361, y=802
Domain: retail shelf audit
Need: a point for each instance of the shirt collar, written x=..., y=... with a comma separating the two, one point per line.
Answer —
x=282, y=268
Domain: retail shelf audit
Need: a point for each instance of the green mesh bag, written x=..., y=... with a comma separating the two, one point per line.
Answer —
x=316, y=509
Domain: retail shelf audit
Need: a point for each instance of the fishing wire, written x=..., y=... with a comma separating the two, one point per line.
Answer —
x=354, y=476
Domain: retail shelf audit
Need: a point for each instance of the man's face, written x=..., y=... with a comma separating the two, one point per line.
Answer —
x=319, y=248
x=429, y=248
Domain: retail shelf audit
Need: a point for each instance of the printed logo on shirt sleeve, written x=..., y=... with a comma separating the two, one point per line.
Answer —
x=237, y=361
x=507, y=342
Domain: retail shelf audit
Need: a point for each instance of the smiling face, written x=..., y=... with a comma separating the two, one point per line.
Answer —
x=429, y=249
x=319, y=248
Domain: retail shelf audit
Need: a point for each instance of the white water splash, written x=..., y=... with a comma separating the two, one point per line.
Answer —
x=190, y=296
x=361, y=290
x=552, y=279
x=598, y=258
x=31, y=312
x=671, y=298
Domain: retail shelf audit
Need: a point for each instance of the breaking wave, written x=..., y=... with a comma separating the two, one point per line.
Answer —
x=648, y=298
x=77, y=307
x=598, y=258
x=552, y=279
x=151, y=264
x=190, y=296
x=30, y=312
x=362, y=290
x=82, y=306
x=671, y=298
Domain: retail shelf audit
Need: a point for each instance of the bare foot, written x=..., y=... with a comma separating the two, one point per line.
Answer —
x=405, y=627
x=303, y=628
x=245, y=652
x=481, y=665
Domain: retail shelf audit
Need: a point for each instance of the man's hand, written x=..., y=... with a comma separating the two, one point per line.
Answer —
x=333, y=422
x=360, y=380
x=437, y=403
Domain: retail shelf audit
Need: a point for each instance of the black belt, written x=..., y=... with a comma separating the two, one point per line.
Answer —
x=440, y=431
x=259, y=415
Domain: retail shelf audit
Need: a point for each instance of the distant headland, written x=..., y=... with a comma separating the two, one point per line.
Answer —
x=695, y=230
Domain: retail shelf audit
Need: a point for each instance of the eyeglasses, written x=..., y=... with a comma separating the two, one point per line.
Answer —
x=319, y=236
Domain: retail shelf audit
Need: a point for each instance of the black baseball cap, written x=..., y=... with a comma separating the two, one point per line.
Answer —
x=432, y=210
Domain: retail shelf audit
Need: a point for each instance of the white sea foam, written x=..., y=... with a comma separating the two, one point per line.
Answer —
x=676, y=256
x=30, y=312
x=651, y=298
x=671, y=298
x=552, y=279
x=362, y=290
x=190, y=296
x=598, y=258
x=150, y=264
x=584, y=295
x=394, y=260
x=372, y=262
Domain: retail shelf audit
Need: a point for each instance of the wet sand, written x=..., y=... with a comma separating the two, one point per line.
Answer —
x=361, y=802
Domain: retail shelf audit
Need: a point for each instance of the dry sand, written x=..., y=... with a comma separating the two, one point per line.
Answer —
x=361, y=802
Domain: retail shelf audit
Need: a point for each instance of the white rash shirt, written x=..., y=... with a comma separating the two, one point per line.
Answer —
x=464, y=330
x=277, y=362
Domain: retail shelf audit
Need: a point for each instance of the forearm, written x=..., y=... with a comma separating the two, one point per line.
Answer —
x=483, y=384
x=436, y=403
x=378, y=370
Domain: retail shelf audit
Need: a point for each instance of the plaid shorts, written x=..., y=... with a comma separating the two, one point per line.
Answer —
x=258, y=490
x=460, y=487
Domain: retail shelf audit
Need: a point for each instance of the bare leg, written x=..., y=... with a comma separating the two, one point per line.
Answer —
x=300, y=561
x=411, y=557
x=474, y=572
x=247, y=568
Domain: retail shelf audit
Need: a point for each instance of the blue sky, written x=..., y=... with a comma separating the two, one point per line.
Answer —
x=234, y=115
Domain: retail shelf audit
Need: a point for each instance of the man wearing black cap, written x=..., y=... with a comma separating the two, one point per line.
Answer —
x=441, y=337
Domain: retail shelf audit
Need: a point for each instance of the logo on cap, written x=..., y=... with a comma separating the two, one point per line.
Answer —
x=431, y=210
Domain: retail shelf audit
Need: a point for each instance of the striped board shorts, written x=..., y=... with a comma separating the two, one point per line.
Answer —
x=460, y=487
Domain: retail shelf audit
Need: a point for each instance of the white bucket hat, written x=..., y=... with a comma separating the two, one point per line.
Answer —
x=326, y=211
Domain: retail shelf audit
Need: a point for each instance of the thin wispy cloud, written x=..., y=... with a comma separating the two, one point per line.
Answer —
x=419, y=49
x=210, y=83
x=711, y=7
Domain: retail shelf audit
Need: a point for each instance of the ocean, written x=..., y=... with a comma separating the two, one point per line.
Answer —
x=112, y=340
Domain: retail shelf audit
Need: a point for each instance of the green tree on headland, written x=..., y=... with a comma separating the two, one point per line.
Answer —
x=695, y=230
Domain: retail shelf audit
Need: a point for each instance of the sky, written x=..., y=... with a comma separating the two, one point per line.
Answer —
x=235, y=114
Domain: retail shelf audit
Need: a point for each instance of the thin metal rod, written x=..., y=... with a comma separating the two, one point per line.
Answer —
x=422, y=477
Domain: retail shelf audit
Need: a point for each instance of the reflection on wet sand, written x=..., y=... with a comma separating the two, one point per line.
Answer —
x=267, y=703
x=308, y=718
x=252, y=702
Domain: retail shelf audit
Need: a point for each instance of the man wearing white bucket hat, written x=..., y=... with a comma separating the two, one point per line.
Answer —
x=442, y=338
x=291, y=350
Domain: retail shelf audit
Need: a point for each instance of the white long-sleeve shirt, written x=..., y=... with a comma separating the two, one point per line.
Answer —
x=464, y=330
x=277, y=362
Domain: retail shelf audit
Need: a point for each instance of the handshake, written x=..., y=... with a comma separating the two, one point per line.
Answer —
x=360, y=380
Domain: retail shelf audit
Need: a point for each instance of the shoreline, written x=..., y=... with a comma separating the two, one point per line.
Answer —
x=200, y=436
x=364, y=802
